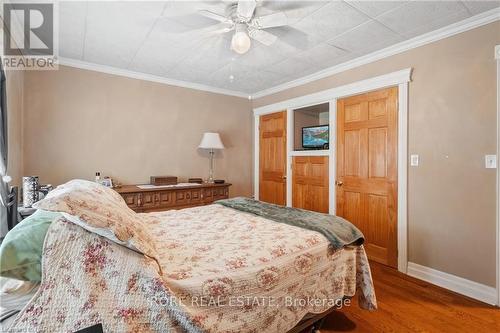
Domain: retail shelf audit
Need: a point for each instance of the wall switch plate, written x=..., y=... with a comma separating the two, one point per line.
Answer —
x=414, y=159
x=490, y=161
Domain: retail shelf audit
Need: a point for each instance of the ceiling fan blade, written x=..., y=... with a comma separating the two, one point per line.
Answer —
x=290, y=5
x=268, y=21
x=246, y=8
x=213, y=16
x=293, y=37
x=262, y=36
x=221, y=30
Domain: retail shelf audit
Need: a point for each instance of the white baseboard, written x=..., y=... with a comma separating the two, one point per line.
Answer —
x=454, y=283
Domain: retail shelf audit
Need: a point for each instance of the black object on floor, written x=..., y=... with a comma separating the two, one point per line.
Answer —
x=92, y=329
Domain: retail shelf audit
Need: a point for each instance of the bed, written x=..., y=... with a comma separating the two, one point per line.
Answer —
x=214, y=269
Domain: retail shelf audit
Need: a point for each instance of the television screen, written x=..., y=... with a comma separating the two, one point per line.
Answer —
x=315, y=137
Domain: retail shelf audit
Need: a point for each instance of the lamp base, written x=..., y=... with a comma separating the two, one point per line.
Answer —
x=210, y=179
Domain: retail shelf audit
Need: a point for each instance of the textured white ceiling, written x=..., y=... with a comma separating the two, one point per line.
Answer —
x=169, y=39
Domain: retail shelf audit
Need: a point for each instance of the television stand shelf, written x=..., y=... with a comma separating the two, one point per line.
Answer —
x=310, y=152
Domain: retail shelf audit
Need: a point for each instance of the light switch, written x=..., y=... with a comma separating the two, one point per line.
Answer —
x=414, y=159
x=490, y=161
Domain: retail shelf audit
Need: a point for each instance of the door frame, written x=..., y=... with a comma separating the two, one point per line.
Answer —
x=400, y=79
x=497, y=59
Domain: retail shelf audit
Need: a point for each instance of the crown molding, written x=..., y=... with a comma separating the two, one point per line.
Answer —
x=445, y=32
x=147, y=77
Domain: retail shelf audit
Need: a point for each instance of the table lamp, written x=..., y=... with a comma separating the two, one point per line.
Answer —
x=211, y=141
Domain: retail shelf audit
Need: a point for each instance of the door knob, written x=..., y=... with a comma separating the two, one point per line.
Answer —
x=339, y=183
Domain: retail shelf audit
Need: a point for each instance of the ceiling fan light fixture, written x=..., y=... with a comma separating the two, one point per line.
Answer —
x=240, y=43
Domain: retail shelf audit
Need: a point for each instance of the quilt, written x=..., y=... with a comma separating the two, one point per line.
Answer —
x=221, y=270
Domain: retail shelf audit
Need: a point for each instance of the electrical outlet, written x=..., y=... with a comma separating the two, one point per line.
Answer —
x=490, y=161
x=414, y=160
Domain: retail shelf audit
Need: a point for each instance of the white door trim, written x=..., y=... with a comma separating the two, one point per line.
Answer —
x=398, y=78
x=497, y=57
x=332, y=161
x=289, y=148
x=256, y=152
x=403, y=177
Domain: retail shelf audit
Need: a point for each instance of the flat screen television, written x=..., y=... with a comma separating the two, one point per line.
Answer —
x=315, y=137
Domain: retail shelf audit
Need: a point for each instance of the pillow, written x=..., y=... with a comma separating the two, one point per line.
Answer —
x=100, y=207
x=104, y=232
x=21, y=249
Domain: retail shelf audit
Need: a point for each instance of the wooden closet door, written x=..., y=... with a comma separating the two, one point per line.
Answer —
x=310, y=183
x=272, y=158
x=367, y=169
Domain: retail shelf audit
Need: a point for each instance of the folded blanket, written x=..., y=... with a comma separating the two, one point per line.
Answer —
x=337, y=230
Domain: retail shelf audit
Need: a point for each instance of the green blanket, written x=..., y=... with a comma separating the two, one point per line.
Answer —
x=337, y=230
x=21, y=249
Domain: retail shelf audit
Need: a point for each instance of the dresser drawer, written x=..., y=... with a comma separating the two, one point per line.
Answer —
x=188, y=197
x=196, y=196
x=131, y=199
x=208, y=196
x=147, y=199
x=182, y=197
x=165, y=199
x=220, y=193
x=138, y=201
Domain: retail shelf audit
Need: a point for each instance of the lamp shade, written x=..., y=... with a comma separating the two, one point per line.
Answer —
x=211, y=141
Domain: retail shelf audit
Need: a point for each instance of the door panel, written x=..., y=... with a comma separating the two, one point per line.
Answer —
x=352, y=153
x=318, y=183
x=367, y=169
x=351, y=209
x=300, y=197
x=272, y=158
x=310, y=183
x=377, y=152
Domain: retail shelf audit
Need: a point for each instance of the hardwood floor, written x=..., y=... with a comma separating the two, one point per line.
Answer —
x=406, y=304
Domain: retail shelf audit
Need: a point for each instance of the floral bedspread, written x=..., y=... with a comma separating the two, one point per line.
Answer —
x=222, y=271
x=88, y=279
x=238, y=272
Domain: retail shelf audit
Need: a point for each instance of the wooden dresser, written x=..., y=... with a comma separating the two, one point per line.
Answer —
x=165, y=198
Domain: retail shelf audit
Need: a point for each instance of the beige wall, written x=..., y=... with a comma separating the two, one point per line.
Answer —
x=15, y=82
x=78, y=122
x=452, y=125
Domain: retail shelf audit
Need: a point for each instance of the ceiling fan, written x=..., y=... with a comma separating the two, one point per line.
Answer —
x=240, y=17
